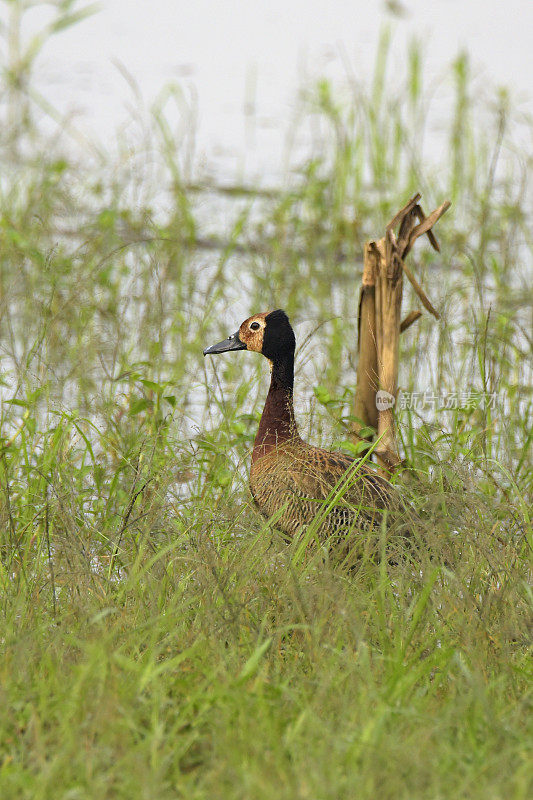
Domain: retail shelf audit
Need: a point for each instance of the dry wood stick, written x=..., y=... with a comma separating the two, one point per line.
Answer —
x=380, y=323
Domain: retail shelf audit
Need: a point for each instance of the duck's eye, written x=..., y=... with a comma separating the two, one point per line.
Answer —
x=255, y=326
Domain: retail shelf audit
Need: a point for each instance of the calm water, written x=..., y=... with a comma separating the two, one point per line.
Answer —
x=239, y=66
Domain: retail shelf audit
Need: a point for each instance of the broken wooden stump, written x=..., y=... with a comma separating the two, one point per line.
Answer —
x=380, y=325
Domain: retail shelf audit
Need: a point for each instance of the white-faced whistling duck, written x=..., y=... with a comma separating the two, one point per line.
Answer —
x=290, y=479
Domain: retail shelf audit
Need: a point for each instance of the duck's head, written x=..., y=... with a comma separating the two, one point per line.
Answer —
x=269, y=333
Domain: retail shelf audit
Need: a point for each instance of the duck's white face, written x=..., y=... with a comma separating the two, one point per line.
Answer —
x=269, y=333
x=252, y=330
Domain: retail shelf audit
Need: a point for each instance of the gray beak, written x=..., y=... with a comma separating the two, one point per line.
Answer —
x=231, y=343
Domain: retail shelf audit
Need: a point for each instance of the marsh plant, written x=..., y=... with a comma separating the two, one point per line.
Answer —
x=158, y=638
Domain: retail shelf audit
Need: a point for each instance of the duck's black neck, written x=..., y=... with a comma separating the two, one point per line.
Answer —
x=277, y=421
x=283, y=373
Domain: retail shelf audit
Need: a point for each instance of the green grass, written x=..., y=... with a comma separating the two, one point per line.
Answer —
x=158, y=639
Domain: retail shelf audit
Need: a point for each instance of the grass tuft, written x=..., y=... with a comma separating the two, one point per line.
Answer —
x=158, y=639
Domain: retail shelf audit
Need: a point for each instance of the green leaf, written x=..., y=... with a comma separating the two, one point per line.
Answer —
x=98, y=475
x=252, y=665
x=223, y=477
x=139, y=404
x=16, y=402
x=322, y=394
x=73, y=18
x=355, y=448
x=155, y=387
x=367, y=430
x=106, y=219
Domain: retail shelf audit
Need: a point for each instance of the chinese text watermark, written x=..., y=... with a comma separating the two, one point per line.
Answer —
x=467, y=400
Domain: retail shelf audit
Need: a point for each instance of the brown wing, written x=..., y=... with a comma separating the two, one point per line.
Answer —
x=318, y=472
x=295, y=482
x=311, y=481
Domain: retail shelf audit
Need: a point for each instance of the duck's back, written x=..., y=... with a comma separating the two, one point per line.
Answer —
x=294, y=482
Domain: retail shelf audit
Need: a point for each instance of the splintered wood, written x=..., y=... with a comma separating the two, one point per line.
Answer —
x=380, y=325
